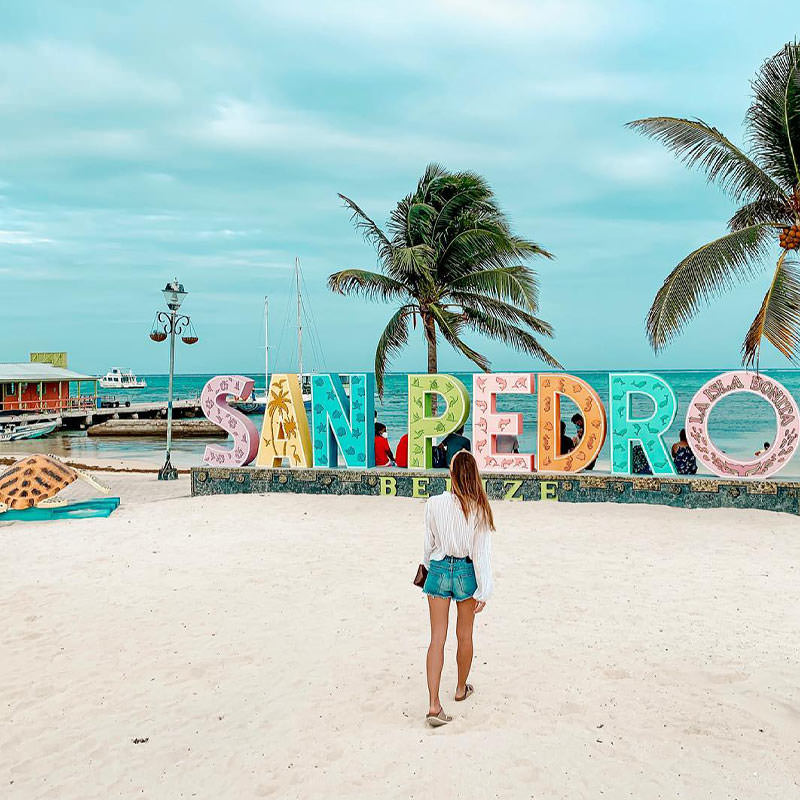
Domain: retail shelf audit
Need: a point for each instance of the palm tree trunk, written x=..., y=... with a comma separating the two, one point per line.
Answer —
x=430, y=336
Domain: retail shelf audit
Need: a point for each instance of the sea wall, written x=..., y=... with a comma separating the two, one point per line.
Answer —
x=771, y=495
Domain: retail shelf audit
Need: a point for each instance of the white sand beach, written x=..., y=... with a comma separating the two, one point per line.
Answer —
x=273, y=646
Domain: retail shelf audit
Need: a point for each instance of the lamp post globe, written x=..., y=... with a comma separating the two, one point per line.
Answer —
x=173, y=294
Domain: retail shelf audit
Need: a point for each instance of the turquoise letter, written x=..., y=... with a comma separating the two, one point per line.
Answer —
x=649, y=431
x=335, y=428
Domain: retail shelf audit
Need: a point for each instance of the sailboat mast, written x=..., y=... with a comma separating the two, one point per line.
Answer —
x=299, y=320
x=266, y=341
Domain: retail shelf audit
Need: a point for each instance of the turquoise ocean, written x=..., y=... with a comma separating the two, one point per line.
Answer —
x=739, y=424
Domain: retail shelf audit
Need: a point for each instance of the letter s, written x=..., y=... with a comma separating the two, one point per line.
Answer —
x=214, y=402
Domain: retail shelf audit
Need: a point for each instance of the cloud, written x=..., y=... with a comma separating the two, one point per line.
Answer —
x=257, y=126
x=415, y=21
x=636, y=166
x=52, y=74
x=572, y=19
x=597, y=85
x=260, y=127
x=21, y=238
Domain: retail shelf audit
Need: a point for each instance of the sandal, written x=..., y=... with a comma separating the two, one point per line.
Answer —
x=467, y=692
x=437, y=720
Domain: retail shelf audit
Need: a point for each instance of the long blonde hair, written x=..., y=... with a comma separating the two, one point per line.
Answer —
x=468, y=489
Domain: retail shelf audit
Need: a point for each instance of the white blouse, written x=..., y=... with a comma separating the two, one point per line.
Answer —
x=449, y=533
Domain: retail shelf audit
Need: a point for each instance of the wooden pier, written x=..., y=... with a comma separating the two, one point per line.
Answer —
x=181, y=428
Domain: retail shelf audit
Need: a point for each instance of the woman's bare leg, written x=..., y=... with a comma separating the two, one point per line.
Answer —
x=439, y=608
x=464, y=623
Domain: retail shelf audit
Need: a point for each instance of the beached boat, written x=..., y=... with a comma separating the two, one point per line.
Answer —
x=115, y=378
x=34, y=430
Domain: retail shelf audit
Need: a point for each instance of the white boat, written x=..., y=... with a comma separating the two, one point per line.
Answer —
x=117, y=379
x=256, y=403
x=34, y=430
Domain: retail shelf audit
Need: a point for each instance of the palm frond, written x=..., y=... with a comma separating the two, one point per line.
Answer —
x=393, y=339
x=697, y=144
x=412, y=266
x=773, y=118
x=516, y=284
x=516, y=337
x=470, y=197
x=369, y=229
x=778, y=319
x=703, y=274
x=368, y=284
x=774, y=210
x=483, y=247
x=434, y=175
x=419, y=221
x=450, y=325
x=525, y=248
x=503, y=312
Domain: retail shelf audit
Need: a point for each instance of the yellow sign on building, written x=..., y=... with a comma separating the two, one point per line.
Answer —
x=56, y=359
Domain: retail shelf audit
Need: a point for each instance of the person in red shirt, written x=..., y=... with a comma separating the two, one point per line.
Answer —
x=401, y=453
x=383, y=453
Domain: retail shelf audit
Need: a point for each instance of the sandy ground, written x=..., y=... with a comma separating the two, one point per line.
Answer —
x=273, y=646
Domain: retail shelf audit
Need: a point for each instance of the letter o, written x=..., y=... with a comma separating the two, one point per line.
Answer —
x=786, y=436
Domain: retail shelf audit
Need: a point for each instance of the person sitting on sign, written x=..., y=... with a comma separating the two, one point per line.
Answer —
x=580, y=429
x=452, y=444
x=506, y=443
x=383, y=452
x=639, y=463
x=682, y=455
x=401, y=452
x=566, y=442
x=761, y=452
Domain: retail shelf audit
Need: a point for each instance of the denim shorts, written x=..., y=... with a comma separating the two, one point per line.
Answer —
x=451, y=577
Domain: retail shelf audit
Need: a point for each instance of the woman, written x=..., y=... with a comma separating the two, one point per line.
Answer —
x=383, y=452
x=682, y=455
x=457, y=555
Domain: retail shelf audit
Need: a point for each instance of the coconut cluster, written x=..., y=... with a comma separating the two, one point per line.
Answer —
x=790, y=238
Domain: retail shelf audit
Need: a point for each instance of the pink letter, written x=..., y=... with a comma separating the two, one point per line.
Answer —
x=488, y=424
x=780, y=450
x=214, y=402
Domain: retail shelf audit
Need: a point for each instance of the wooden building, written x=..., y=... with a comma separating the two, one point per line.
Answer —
x=42, y=387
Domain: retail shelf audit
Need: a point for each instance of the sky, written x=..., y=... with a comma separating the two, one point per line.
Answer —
x=208, y=141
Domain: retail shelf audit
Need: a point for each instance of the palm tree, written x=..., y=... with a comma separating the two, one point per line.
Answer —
x=766, y=184
x=278, y=410
x=451, y=261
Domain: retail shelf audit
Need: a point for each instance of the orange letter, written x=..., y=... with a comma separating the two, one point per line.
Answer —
x=551, y=388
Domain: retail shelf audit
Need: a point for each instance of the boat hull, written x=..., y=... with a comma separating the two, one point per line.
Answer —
x=35, y=431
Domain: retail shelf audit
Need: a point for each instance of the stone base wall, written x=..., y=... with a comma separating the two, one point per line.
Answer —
x=572, y=488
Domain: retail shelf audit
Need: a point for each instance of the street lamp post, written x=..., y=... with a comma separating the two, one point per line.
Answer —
x=171, y=324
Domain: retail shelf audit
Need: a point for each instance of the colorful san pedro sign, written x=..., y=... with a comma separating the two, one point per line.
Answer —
x=784, y=441
x=439, y=404
x=649, y=431
x=343, y=423
x=551, y=389
x=214, y=402
x=423, y=424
